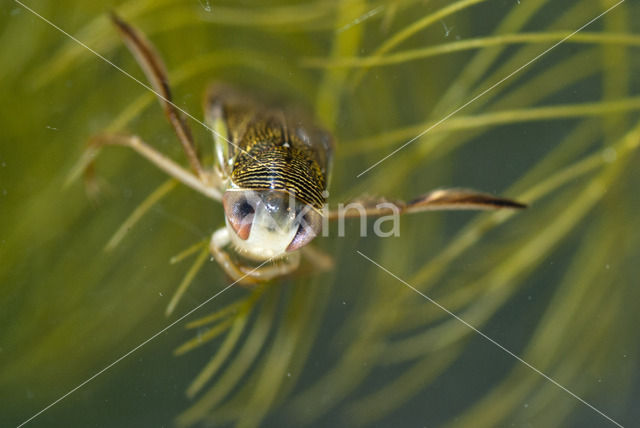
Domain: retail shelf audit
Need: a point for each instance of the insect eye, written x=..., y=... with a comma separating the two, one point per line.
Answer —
x=307, y=230
x=243, y=208
x=239, y=211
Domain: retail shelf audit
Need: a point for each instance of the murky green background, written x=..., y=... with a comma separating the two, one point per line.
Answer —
x=557, y=284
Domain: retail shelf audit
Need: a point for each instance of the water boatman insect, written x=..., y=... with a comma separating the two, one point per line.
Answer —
x=271, y=174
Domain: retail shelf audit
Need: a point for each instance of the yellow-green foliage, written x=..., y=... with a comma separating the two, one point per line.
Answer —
x=84, y=282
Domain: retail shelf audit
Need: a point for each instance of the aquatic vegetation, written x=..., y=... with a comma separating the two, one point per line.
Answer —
x=355, y=347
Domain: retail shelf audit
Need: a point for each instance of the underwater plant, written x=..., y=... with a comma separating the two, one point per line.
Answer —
x=505, y=96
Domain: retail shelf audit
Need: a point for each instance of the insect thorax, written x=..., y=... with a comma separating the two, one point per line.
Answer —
x=288, y=166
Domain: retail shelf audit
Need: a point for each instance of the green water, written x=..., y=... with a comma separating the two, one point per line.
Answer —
x=556, y=284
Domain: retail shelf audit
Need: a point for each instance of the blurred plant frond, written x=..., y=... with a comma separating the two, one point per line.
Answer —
x=555, y=284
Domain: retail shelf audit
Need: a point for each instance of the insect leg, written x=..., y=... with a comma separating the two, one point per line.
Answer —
x=279, y=268
x=320, y=260
x=155, y=70
x=86, y=163
x=246, y=275
x=443, y=199
x=219, y=240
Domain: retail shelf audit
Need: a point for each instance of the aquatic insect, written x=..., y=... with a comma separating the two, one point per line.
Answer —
x=271, y=173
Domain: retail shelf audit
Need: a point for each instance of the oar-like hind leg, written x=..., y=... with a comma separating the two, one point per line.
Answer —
x=444, y=199
x=155, y=70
